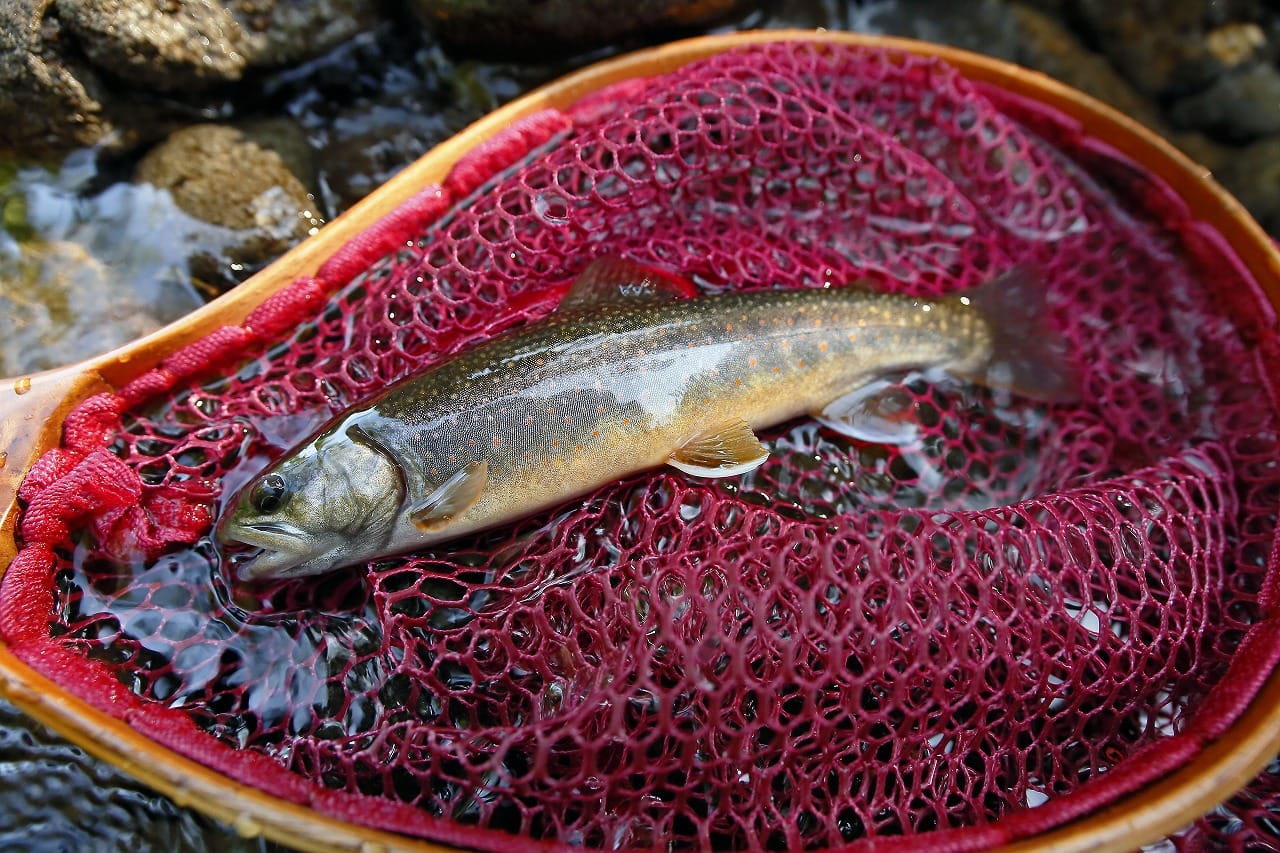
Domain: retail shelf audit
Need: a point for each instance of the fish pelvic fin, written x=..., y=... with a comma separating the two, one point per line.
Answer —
x=723, y=451
x=612, y=278
x=1028, y=356
x=451, y=498
x=879, y=412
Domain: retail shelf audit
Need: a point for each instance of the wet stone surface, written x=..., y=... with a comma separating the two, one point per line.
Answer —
x=363, y=97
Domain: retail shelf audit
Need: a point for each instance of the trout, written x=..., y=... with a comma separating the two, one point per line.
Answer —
x=625, y=376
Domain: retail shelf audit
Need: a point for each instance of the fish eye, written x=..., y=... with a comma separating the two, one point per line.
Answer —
x=270, y=494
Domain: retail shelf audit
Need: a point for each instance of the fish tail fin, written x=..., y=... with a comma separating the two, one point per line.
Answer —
x=1028, y=356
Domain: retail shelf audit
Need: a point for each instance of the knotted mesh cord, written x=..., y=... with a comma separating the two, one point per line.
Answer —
x=1027, y=614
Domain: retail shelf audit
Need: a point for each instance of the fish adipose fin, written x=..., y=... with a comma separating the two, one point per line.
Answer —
x=726, y=451
x=1027, y=356
x=610, y=279
x=880, y=412
x=451, y=498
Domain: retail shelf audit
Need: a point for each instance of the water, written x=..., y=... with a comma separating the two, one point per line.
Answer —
x=56, y=798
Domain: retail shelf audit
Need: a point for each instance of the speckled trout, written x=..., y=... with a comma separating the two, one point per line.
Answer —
x=625, y=376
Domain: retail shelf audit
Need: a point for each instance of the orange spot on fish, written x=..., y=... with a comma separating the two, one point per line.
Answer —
x=538, y=362
x=728, y=327
x=435, y=472
x=823, y=346
x=579, y=448
x=452, y=458
x=595, y=433
x=568, y=420
x=472, y=442
x=528, y=456
x=751, y=362
x=817, y=324
x=555, y=442
x=737, y=382
x=496, y=441
x=777, y=370
x=801, y=362
x=626, y=420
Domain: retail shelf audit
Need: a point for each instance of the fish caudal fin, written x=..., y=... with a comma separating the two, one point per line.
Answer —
x=1027, y=356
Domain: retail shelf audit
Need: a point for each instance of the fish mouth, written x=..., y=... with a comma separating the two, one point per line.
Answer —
x=281, y=547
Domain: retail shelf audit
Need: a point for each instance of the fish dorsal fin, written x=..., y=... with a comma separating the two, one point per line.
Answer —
x=451, y=498
x=611, y=278
x=724, y=451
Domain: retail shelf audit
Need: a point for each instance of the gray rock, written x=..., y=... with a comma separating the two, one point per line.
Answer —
x=52, y=103
x=1252, y=175
x=983, y=26
x=185, y=44
x=1159, y=45
x=1047, y=46
x=219, y=175
x=1241, y=106
x=61, y=62
x=1200, y=148
x=542, y=25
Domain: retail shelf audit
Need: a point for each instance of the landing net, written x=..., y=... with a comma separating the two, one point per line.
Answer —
x=1026, y=614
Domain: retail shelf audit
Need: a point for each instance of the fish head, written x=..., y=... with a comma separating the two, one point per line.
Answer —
x=332, y=503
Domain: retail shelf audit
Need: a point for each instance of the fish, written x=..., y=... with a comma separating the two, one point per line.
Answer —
x=628, y=374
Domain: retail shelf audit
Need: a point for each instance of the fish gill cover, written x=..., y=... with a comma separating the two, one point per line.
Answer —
x=1026, y=613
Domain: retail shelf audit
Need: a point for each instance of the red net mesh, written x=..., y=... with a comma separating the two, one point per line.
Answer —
x=1025, y=614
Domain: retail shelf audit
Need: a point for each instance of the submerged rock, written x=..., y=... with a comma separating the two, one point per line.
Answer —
x=82, y=273
x=59, y=304
x=1240, y=107
x=541, y=25
x=220, y=175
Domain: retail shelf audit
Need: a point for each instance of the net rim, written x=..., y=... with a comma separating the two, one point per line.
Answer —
x=31, y=413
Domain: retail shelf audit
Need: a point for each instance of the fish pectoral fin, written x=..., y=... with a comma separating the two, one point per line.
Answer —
x=726, y=451
x=451, y=498
x=611, y=278
x=879, y=412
